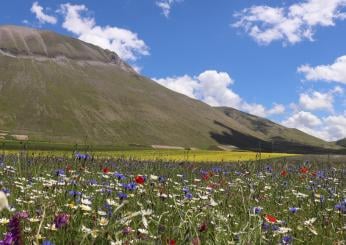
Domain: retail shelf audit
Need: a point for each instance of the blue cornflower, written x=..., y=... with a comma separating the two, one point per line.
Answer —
x=5, y=190
x=341, y=206
x=186, y=190
x=320, y=174
x=131, y=186
x=217, y=169
x=293, y=210
x=119, y=176
x=188, y=195
x=74, y=193
x=256, y=210
x=286, y=240
x=269, y=169
x=60, y=172
x=92, y=182
x=275, y=227
x=265, y=226
x=122, y=195
x=162, y=179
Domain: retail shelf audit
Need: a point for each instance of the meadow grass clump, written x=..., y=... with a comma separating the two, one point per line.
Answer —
x=95, y=200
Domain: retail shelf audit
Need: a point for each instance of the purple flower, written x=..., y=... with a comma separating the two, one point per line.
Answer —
x=122, y=195
x=92, y=182
x=5, y=190
x=341, y=206
x=74, y=193
x=61, y=220
x=14, y=228
x=286, y=240
x=131, y=186
x=293, y=210
x=60, y=172
x=119, y=176
x=269, y=169
x=80, y=156
x=188, y=195
x=8, y=239
x=265, y=226
x=256, y=210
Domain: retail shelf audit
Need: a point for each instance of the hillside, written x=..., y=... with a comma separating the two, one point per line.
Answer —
x=278, y=137
x=341, y=142
x=59, y=89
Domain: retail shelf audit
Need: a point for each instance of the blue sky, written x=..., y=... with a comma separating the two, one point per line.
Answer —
x=284, y=60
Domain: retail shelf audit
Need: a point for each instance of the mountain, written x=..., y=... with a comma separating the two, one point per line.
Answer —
x=59, y=89
x=275, y=136
x=341, y=142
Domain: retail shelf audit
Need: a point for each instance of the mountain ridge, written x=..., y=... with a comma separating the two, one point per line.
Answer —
x=70, y=91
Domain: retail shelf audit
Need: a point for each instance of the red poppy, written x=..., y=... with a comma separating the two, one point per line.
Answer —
x=68, y=168
x=205, y=176
x=105, y=170
x=283, y=173
x=271, y=219
x=172, y=242
x=203, y=227
x=303, y=170
x=139, y=180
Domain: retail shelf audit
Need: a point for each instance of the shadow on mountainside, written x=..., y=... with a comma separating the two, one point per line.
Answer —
x=247, y=142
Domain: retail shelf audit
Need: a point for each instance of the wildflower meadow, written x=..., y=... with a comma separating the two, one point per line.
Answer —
x=93, y=200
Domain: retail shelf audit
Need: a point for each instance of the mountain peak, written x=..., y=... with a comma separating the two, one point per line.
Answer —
x=24, y=42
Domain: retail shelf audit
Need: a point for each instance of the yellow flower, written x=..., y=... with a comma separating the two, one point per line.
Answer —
x=103, y=221
x=4, y=221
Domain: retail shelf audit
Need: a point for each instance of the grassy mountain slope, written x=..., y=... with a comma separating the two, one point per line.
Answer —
x=341, y=142
x=56, y=88
x=278, y=137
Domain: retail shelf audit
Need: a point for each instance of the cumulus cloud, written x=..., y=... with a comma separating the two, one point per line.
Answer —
x=122, y=41
x=335, y=72
x=166, y=5
x=315, y=100
x=41, y=16
x=290, y=24
x=213, y=88
x=329, y=128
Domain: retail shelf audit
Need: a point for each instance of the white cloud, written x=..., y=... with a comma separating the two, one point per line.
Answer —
x=303, y=119
x=213, y=88
x=290, y=24
x=315, y=100
x=329, y=128
x=41, y=16
x=332, y=73
x=166, y=5
x=184, y=84
x=335, y=127
x=124, y=42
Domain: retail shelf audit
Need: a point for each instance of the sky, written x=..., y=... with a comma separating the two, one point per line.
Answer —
x=283, y=60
